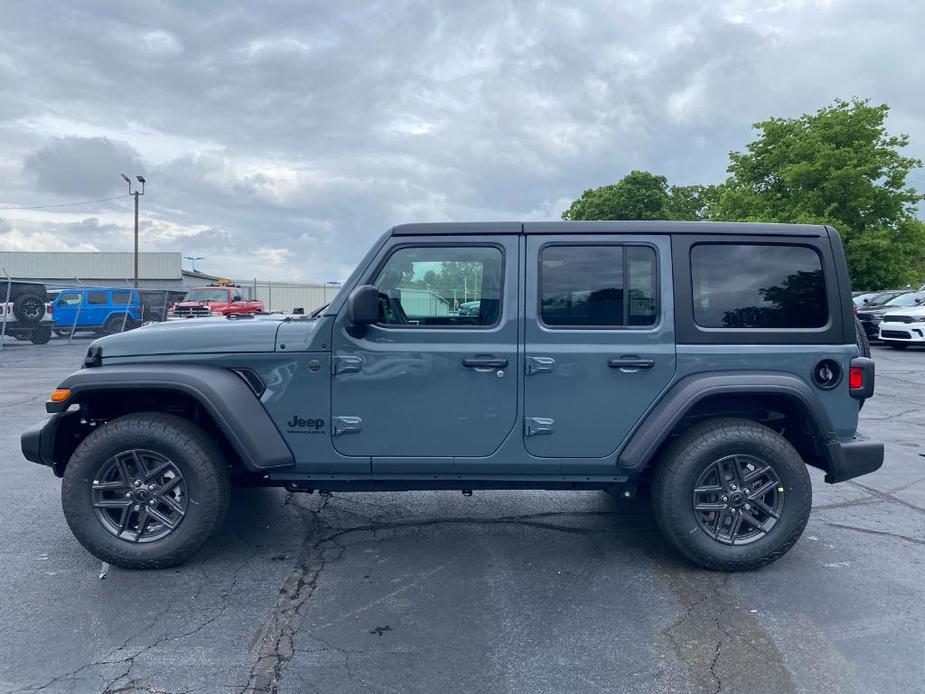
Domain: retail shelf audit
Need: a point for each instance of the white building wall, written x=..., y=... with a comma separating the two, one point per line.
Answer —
x=69, y=265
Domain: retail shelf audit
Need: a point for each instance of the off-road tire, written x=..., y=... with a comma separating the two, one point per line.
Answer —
x=863, y=342
x=863, y=348
x=114, y=324
x=41, y=334
x=195, y=454
x=28, y=308
x=690, y=454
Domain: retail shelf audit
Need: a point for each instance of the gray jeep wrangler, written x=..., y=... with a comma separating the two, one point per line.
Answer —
x=709, y=363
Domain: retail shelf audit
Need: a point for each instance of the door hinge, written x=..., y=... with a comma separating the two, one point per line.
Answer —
x=536, y=426
x=347, y=425
x=346, y=364
x=537, y=365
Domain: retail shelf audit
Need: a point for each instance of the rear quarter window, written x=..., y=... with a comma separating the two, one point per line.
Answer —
x=758, y=286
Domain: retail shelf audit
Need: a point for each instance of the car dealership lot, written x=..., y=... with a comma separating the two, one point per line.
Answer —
x=433, y=591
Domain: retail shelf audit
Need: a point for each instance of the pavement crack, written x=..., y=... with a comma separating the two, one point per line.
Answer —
x=886, y=496
x=871, y=531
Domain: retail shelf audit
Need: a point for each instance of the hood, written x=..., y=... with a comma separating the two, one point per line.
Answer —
x=193, y=336
x=908, y=311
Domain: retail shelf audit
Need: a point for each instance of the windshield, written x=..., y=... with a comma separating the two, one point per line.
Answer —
x=206, y=295
x=910, y=299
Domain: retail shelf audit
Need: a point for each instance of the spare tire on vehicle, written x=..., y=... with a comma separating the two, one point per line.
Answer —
x=863, y=342
x=28, y=308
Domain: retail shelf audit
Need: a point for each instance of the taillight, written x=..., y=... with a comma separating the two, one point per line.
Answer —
x=855, y=377
x=861, y=378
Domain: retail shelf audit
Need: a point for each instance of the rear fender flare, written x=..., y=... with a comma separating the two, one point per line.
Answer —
x=662, y=419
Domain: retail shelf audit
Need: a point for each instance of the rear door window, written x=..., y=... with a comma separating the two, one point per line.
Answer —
x=96, y=298
x=758, y=286
x=598, y=286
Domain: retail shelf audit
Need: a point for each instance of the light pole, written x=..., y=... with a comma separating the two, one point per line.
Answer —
x=193, y=259
x=136, y=193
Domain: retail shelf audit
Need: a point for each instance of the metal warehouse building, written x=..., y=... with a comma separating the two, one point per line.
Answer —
x=64, y=269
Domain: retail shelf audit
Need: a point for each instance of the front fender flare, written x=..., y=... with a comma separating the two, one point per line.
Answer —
x=224, y=395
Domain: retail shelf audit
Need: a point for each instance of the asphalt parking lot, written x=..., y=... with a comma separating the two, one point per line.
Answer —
x=433, y=591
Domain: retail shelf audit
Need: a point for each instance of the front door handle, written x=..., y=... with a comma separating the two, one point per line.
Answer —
x=630, y=363
x=484, y=362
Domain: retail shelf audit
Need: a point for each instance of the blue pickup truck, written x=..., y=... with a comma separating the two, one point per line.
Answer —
x=102, y=310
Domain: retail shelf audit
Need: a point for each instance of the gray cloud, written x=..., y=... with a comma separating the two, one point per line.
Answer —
x=82, y=166
x=312, y=126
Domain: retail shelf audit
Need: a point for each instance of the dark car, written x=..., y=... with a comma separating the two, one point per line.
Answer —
x=872, y=314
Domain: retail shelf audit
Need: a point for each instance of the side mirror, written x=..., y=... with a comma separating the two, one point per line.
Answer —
x=362, y=308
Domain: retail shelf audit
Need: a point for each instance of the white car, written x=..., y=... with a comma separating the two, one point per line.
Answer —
x=903, y=327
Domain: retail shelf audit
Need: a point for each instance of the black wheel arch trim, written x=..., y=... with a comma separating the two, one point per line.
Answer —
x=841, y=460
x=222, y=393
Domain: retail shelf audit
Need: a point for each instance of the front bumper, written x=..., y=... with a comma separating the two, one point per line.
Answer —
x=871, y=328
x=902, y=332
x=850, y=459
x=38, y=442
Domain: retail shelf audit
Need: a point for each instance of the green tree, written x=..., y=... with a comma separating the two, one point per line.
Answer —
x=638, y=195
x=840, y=167
x=643, y=195
x=691, y=202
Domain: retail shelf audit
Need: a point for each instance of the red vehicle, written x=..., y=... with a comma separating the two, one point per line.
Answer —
x=214, y=300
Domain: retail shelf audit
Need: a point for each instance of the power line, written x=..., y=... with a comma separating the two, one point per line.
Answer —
x=63, y=204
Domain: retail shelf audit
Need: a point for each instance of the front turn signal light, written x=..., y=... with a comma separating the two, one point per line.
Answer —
x=60, y=394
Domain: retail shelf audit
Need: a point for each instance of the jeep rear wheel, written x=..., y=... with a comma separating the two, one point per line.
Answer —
x=145, y=490
x=731, y=494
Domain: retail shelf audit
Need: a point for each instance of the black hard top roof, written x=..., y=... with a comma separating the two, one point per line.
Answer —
x=609, y=227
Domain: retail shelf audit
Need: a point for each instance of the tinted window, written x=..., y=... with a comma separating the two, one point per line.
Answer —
x=758, y=286
x=96, y=297
x=598, y=286
x=441, y=286
x=120, y=298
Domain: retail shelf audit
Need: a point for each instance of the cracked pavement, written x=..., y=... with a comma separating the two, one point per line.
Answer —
x=433, y=591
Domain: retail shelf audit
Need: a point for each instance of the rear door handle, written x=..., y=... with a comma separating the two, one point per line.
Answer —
x=484, y=362
x=630, y=363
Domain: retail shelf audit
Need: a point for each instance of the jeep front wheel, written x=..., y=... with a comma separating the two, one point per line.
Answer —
x=731, y=494
x=145, y=490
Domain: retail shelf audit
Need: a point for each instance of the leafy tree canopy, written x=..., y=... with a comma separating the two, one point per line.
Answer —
x=838, y=166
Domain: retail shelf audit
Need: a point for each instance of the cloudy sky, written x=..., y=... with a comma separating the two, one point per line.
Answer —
x=279, y=138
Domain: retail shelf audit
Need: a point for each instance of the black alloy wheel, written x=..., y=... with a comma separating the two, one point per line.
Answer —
x=139, y=495
x=738, y=499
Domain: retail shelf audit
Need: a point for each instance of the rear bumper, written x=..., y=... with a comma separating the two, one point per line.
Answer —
x=854, y=458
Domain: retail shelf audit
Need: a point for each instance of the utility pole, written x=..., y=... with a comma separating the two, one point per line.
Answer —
x=193, y=259
x=135, y=193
